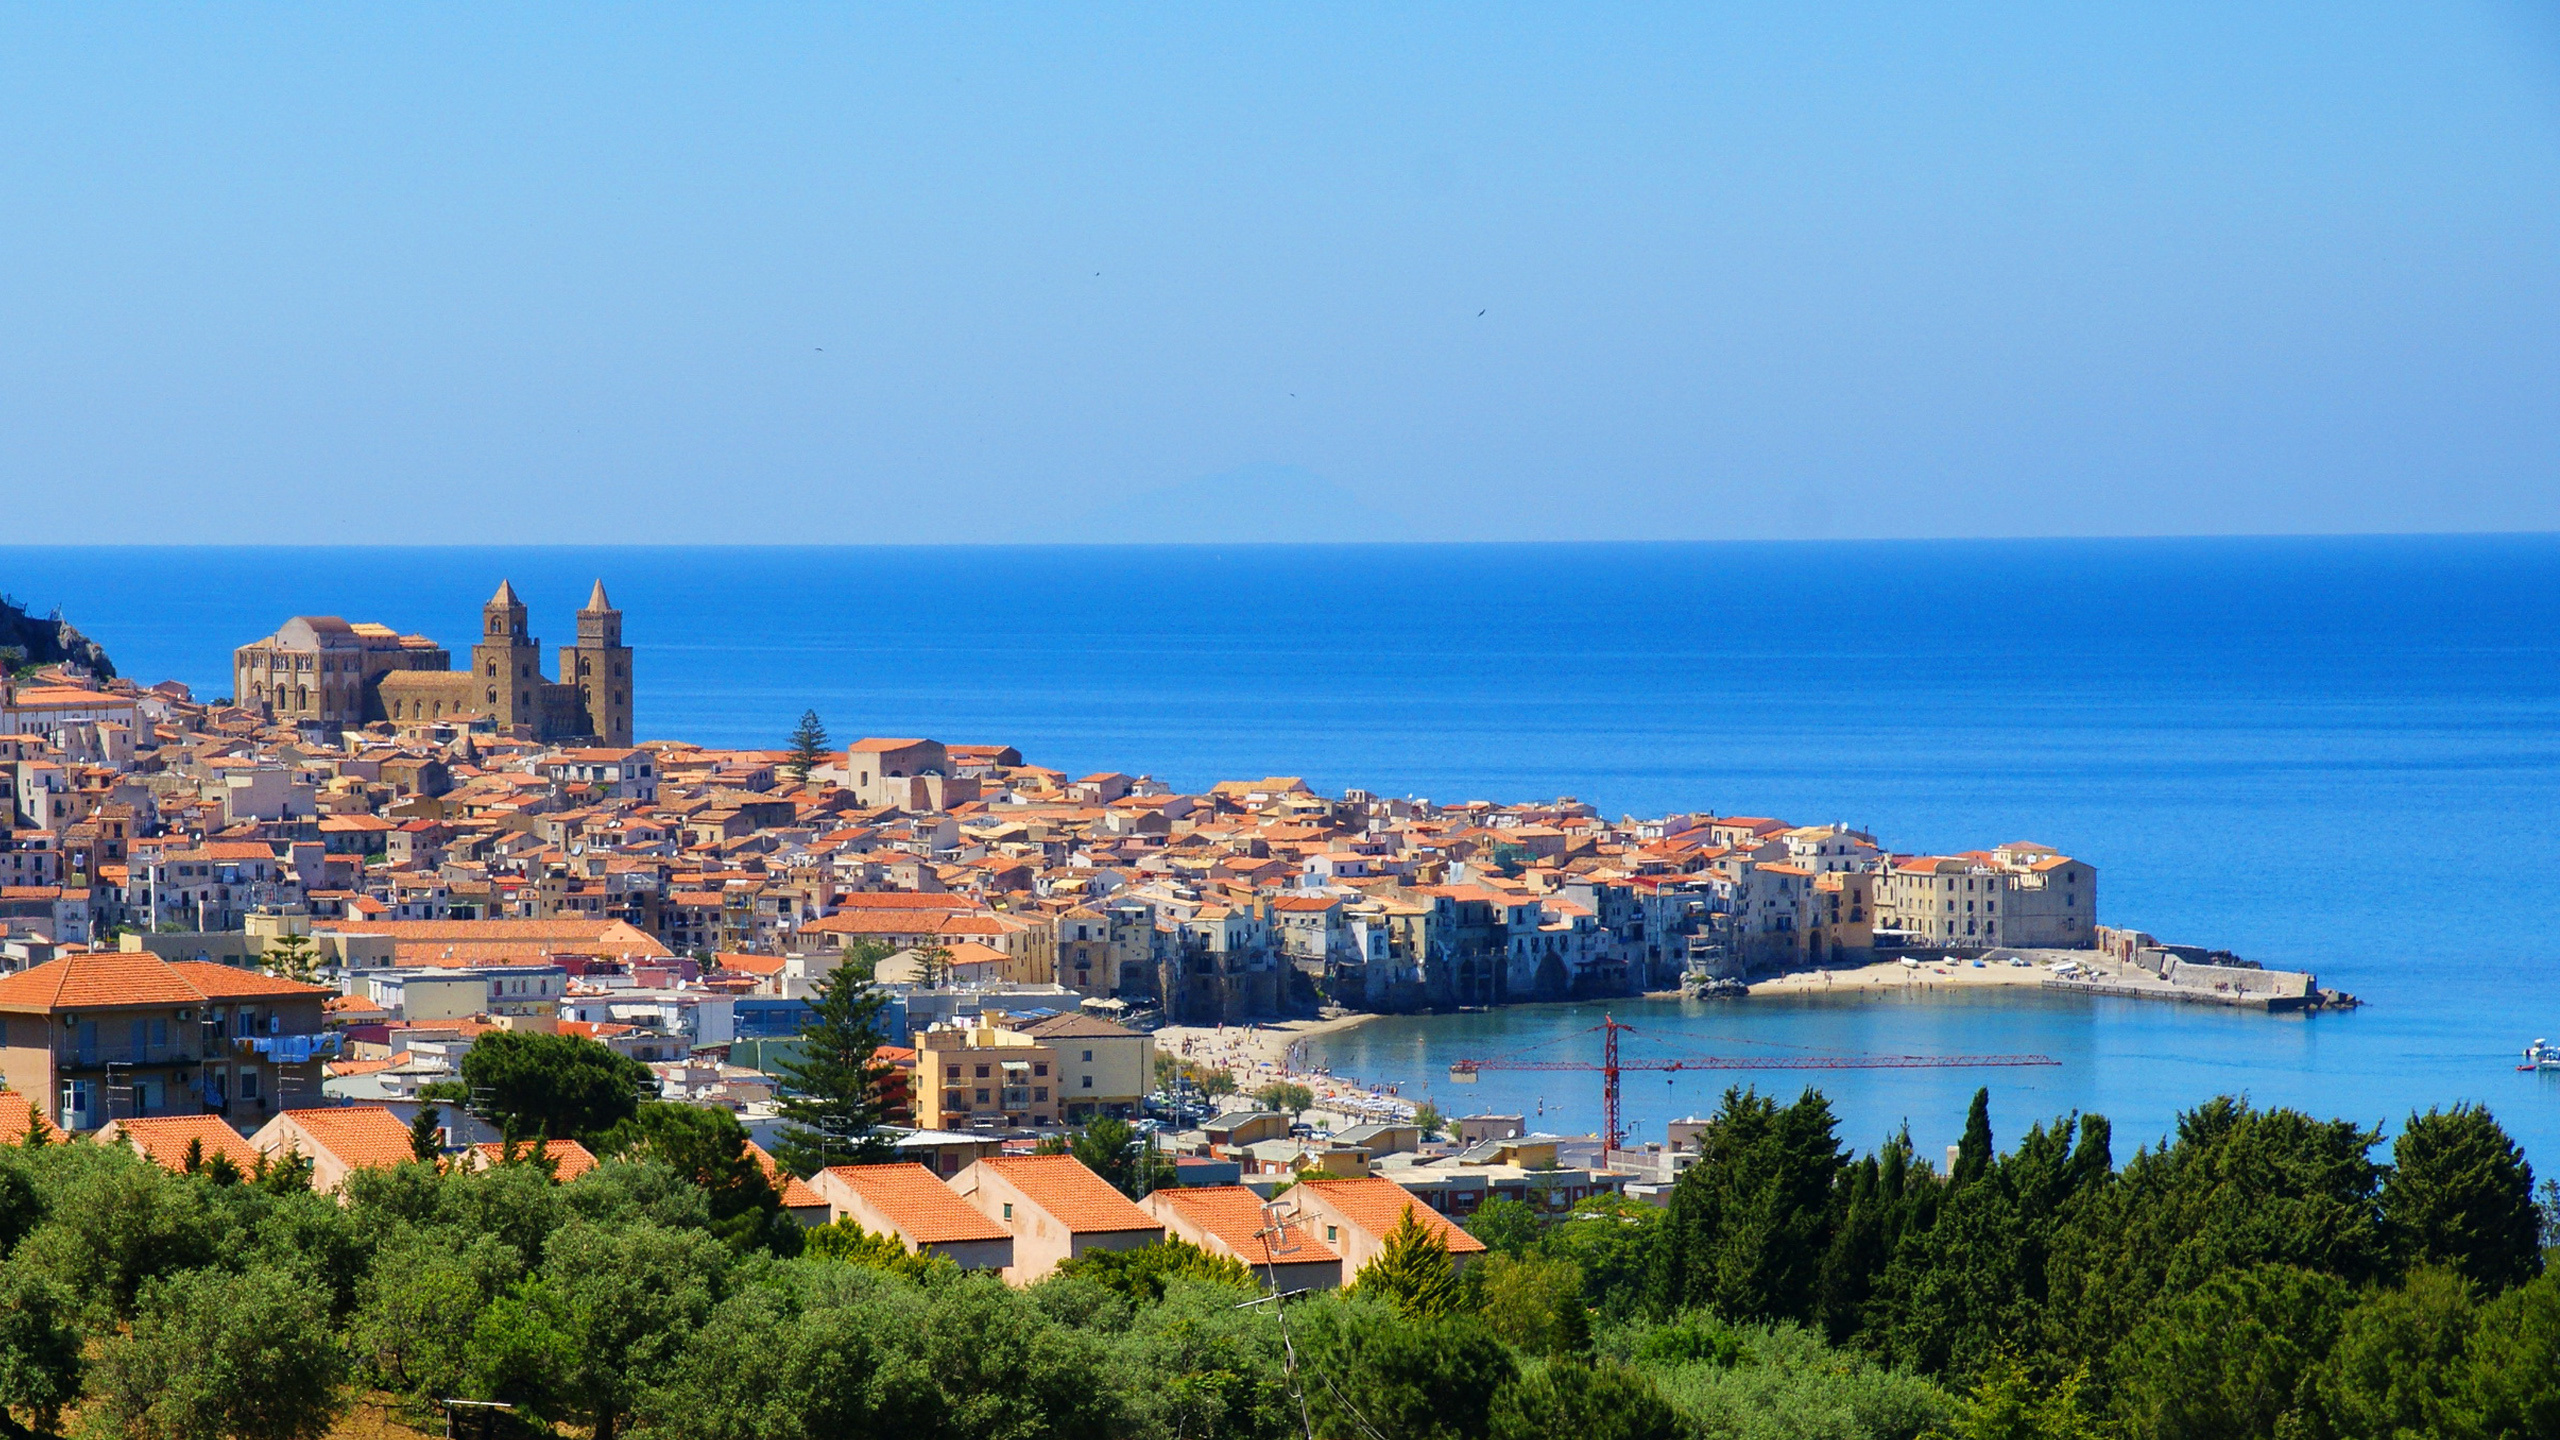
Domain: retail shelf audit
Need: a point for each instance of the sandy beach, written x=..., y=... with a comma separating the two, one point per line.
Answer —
x=1260, y=1054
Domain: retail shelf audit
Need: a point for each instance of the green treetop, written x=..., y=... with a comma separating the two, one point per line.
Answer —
x=292, y=956
x=808, y=744
x=560, y=1087
x=1413, y=1271
x=832, y=1090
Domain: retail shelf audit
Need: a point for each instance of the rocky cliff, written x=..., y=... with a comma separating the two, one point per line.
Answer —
x=32, y=640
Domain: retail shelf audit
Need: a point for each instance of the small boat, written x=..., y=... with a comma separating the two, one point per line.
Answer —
x=2541, y=1055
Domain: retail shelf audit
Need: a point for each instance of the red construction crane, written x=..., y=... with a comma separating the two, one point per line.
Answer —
x=1464, y=1071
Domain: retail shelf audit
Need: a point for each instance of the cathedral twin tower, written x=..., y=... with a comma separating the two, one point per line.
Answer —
x=593, y=695
x=321, y=671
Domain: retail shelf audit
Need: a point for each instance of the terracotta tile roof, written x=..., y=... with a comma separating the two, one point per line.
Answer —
x=608, y=937
x=1234, y=1215
x=164, y=1138
x=970, y=952
x=902, y=899
x=362, y=1137
x=1376, y=1204
x=1076, y=1197
x=16, y=1114
x=796, y=1194
x=569, y=1159
x=926, y=1211
x=874, y=922
x=96, y=982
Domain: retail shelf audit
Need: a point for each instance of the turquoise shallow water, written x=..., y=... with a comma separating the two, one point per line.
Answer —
x=2137, y=1063
x=2335, y=753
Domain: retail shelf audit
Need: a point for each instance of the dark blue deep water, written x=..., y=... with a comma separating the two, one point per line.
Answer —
x=2340, y=754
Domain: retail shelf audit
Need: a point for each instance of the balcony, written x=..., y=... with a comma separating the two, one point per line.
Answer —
x=98, y=1057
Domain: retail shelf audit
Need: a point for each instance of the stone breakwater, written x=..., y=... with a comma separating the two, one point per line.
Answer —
x=2148, y=975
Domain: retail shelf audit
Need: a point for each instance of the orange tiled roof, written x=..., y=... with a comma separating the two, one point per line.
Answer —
x=564, y=930
x=16, y=1114
x=164, y=1138
x=875, y=922
x=1079, y=1199
x=362, y=1137
x=1376, y=1204
x=97, y=982
x=569, y=1159
x=925, y=1210
x=796, y=1194
x=1235, y=1216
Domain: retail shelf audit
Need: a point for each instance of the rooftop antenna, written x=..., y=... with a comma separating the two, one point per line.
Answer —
x=1274, y=1236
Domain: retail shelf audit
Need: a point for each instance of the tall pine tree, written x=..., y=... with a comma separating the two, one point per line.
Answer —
x=833, y=1097
x=808, y=745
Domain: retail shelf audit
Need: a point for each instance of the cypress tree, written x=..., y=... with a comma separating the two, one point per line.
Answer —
x=1973, y=1153
x=426, y=1144
x=2093, y=1162
x=2460, y=1194
x=1749, y=1226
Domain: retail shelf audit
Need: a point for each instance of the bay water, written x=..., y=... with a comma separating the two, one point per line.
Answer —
x=2340, y=754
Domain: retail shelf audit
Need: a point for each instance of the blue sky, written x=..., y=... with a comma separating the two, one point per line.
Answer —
x=952, y=273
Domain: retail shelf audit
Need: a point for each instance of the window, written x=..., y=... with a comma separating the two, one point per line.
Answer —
x=1008, y=1209
x=982, y=1097
x=982, y=1072
x=1331, y=1234
x=1040, y=1093
x=248, y=1084
x=1041, y=1068
x=1088, y=1059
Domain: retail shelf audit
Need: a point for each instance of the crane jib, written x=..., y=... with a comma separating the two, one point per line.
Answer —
x=1612, y=1133
x=1757, y=1062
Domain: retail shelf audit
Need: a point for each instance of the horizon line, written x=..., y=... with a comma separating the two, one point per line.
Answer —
x=1401, y=544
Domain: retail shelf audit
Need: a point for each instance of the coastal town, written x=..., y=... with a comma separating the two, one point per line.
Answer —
x=294, y=934
x=486, y=846
x=447, y=852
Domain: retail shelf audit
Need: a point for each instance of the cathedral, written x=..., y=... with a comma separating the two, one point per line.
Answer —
x=319, y=670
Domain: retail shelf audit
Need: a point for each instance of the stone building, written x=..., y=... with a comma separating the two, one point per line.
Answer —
x=320, y=670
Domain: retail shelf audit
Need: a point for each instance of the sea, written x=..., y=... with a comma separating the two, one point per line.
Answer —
x=2334, y=754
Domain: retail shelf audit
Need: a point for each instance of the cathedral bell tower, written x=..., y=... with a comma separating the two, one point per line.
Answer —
x=506, y=670
x=599, y=667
